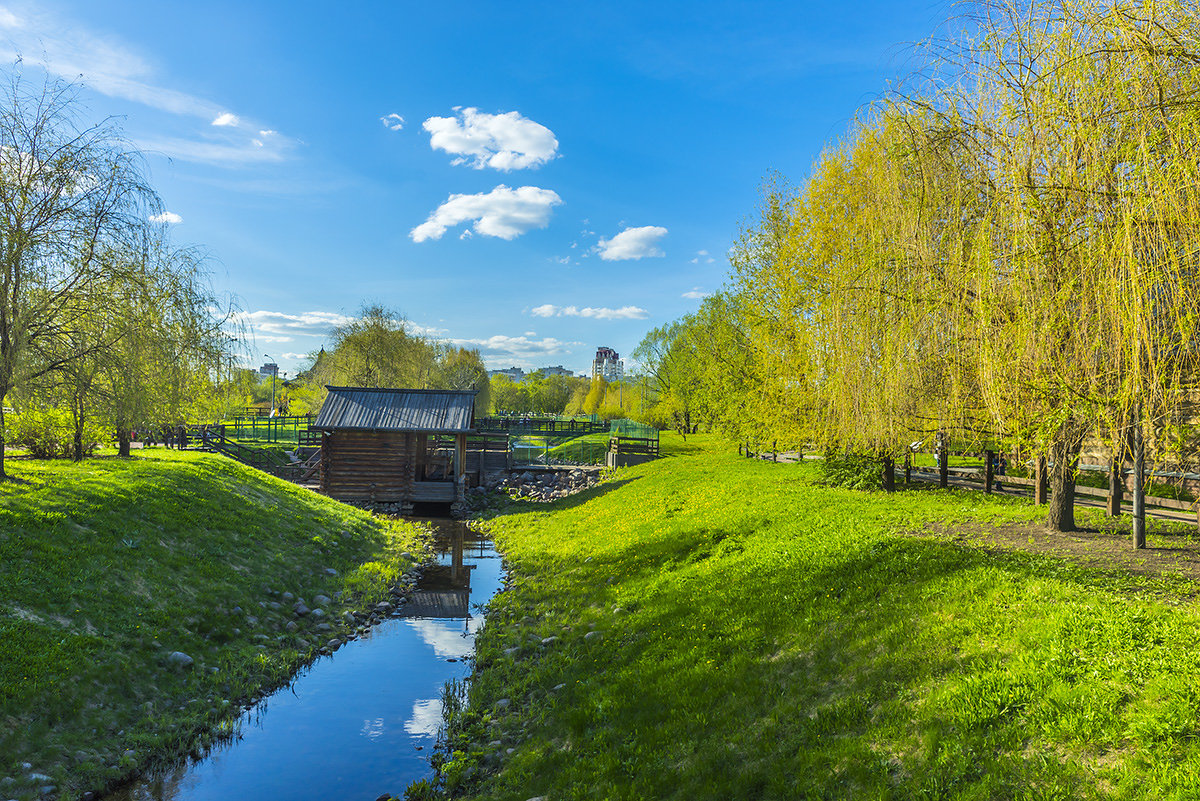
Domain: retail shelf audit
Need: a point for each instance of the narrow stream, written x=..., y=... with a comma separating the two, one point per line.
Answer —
x=364, y=721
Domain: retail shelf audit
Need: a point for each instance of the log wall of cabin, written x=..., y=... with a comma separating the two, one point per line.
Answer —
x=368, y=465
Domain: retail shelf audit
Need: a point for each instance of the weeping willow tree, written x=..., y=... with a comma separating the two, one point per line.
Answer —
x=1008, y=255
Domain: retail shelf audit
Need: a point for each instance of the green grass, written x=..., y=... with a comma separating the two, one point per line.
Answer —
x=759, y=636
x=586, y=449
x=108, y=566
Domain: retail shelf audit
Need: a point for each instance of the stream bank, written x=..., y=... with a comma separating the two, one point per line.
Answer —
x=363, y=721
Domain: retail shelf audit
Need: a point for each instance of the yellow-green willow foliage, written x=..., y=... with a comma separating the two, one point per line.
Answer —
x=1011, y=256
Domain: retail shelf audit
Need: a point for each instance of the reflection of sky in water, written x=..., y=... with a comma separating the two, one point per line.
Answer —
x=350, y=727
x=373, y=729
x=446, y=639
x=426, y=718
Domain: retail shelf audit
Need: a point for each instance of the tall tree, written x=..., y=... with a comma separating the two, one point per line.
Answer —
x=66, y=191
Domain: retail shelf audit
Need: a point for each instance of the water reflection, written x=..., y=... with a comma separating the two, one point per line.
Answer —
x=363, y=722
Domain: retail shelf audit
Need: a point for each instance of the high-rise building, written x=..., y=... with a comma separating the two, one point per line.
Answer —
x=608, y=365
x=515, y=374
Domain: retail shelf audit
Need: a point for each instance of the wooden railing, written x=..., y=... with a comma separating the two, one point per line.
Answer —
x=642, y=446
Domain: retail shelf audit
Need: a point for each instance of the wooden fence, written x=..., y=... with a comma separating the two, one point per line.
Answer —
x=982, y=475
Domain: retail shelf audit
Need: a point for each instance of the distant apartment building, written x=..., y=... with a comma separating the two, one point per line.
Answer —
x=557, y=369
x=512, y=373
x=608, y=365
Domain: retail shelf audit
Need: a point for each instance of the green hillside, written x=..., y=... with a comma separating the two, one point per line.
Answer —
x=711, y=627
x=109, y=566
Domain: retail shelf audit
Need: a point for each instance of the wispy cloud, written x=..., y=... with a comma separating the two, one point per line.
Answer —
x=702, y=256
x=105, y=64
x=503, y=212
x=522, y=351
x=598, y=313
x=632, y=243
x=500, y=141
x=393, y=121
x=273, y=326
x=167, y=217
x=695, y=293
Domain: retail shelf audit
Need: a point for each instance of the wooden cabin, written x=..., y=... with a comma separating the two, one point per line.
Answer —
x=394, y=446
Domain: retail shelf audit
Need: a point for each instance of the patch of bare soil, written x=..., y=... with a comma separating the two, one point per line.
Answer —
x=1173, y=548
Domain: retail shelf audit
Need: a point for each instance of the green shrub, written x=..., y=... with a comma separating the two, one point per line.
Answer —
x=853, y=471
x=48, y=432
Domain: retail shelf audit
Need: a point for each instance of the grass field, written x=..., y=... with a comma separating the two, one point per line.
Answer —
x=710, y=627
x=110, y=565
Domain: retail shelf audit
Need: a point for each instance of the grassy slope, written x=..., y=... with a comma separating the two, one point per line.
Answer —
x=761, y=637
x=109, y=565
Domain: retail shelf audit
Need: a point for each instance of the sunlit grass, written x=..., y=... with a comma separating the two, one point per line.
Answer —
x=759, y=636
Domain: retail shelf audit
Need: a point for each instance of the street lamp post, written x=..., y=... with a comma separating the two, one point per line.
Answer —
x=274, y=373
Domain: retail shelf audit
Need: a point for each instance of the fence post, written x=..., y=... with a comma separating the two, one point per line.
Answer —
x=889, y=474
x=943, y=465
x=908, y=468
x=1041, y=480
x=1116, y=486
x=988, y=473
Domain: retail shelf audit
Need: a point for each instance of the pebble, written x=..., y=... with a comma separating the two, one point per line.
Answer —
x=503, y=703
x=549, y=640
x=321, y=600
x=511, y=651
x=329, y=571
x=558, y=687
x=180, y=659
x=593, y=635
x=287, y=596
x=300, y=609
x=39, y=777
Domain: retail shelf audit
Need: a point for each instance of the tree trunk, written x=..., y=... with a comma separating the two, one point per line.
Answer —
x=943, y=465
x=1116, y=486
x=889, y=474
x=1139, y=488
x=989, y=475
x=123, y=441
x=77, y=444
x=3, y=393
x=1064, y=458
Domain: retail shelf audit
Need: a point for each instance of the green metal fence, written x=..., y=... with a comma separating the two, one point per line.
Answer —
x=282, y=430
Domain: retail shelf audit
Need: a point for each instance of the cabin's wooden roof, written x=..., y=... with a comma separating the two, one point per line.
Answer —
x=426, y=410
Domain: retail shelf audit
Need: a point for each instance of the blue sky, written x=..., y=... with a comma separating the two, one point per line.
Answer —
x=532, y=179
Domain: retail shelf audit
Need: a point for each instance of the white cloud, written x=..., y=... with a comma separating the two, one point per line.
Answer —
x=702, y=255
x=169, y=217
x=272, y=326
x=632, y=243
x=500, y=141
x=598, y=313
x=105, y=64
x=695, y=293
x=503, y=212
x=522, y=351
x=294, y=356
x=393, y=121
x=221, y=154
